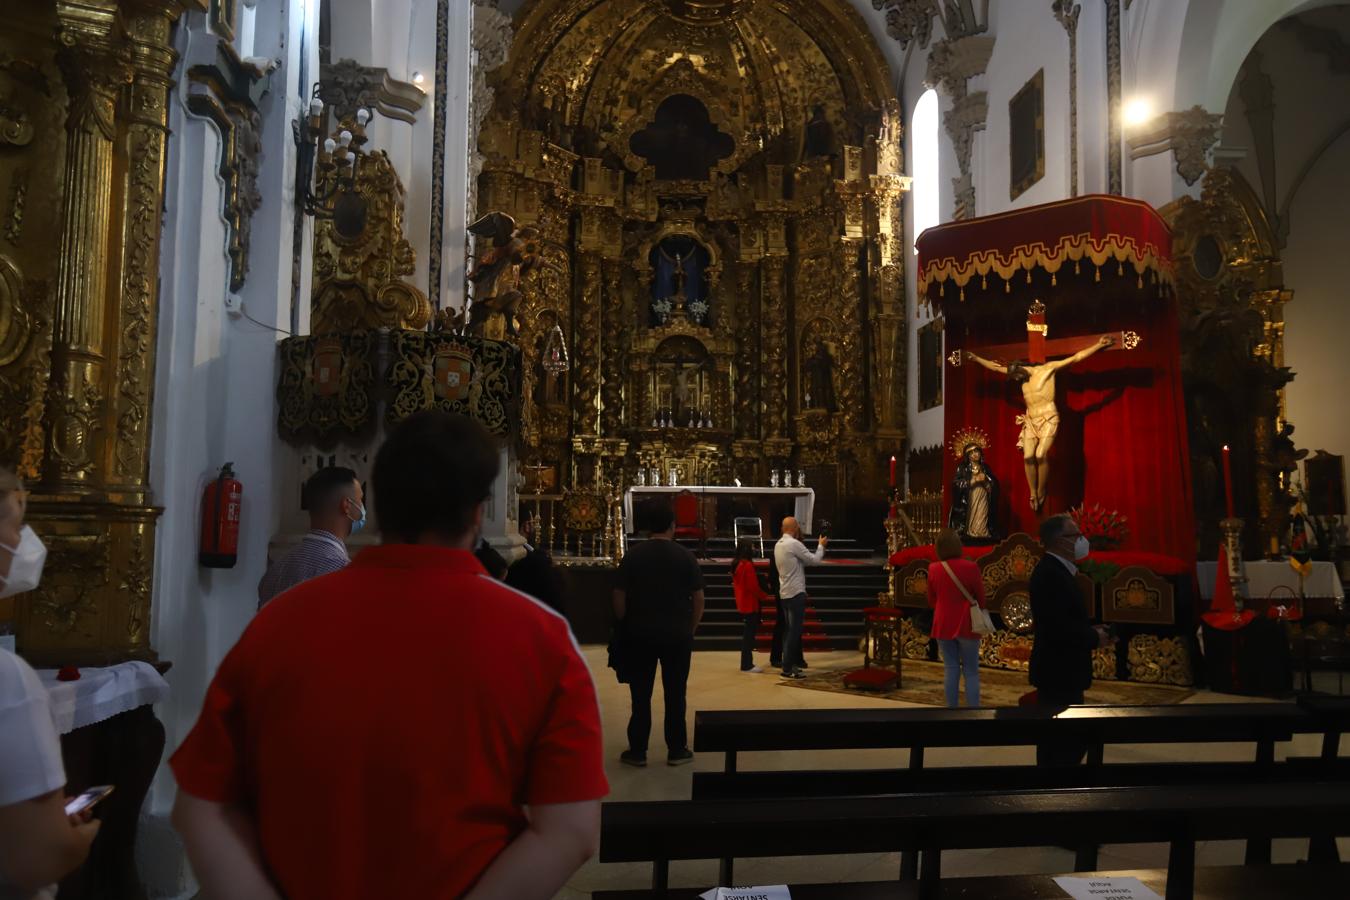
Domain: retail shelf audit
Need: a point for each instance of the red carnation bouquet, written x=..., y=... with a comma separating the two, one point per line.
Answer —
x=1104, y=529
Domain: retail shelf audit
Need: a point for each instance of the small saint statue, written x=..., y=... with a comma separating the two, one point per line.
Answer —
x=819, y=371
x=974, y=495
x=1041, y=421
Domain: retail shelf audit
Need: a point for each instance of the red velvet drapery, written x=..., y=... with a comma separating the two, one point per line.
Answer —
x=1122, y=435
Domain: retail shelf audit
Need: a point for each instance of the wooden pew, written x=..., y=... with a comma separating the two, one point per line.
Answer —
x=1093, y=727
x=659, y=832
x=735, y=731
x=1211, y=883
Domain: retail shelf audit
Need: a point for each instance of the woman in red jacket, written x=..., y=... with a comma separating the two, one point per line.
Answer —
x=749, y=595
x=951, y=617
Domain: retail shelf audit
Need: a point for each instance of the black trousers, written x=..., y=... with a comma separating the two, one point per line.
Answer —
x=749, y=630
x=780, y=631
x=794, y=609
x=673, y=655
x=1059, y=752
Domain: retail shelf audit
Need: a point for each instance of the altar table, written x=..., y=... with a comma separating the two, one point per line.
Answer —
x=1266, y=577
x=109, y=735
x=804, y=499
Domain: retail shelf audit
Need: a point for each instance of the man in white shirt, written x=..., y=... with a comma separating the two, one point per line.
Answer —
x=39, y=843
x=790, y=556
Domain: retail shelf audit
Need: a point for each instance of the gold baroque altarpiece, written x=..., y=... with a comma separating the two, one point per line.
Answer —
x=725, y=178
x=83, y=124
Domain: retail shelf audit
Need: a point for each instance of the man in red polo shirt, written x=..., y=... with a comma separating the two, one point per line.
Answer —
x=407, y=727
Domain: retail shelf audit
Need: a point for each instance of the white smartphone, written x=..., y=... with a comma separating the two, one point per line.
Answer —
x=77, y=805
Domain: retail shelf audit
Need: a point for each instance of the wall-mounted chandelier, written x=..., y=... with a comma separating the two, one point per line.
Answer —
x=327, y=173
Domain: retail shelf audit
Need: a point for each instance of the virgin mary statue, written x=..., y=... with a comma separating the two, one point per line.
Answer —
x=974, y=497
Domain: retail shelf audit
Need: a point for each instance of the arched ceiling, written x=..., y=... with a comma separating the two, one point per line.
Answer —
x=601, y=68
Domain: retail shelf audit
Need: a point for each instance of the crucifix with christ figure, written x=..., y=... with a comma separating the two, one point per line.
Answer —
x=1036, y=377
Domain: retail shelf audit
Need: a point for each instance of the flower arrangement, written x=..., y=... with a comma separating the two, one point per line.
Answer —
x=697, y=310
x=662, y=308
x=1104, y=529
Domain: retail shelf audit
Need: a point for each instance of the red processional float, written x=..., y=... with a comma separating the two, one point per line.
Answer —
x=1063, y=385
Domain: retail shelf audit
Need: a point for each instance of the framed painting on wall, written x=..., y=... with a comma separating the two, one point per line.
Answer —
x=930, y=365
x=1026, y=136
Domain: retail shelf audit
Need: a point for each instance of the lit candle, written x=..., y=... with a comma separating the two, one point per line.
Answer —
x=1228, y=481
x=892, y=471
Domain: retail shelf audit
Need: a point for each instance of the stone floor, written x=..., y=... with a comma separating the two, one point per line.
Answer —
x=716, y=683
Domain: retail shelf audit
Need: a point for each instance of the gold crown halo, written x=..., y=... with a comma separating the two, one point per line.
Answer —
x=967, y=437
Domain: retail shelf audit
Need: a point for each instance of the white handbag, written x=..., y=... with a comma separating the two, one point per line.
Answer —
x=980, y=623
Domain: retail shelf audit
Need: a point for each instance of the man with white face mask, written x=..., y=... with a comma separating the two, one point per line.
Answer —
x=1061, y=657
x=39, y=843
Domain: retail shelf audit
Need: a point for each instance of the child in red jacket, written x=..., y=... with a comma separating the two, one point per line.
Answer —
x=749, y=596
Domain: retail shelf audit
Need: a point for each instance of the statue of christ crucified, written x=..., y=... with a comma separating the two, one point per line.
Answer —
x=1041, y=420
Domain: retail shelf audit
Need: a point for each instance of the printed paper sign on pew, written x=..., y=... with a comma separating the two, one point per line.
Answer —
x=761, y=892
x=1106, y=889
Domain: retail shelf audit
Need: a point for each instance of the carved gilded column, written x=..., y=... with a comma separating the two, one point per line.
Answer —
x=851, y=393
x=94, y=70
x=747, y=353
x=94, y=604
x=611, y=346
x=153, y=63
x=775, y=372
x=586, y=354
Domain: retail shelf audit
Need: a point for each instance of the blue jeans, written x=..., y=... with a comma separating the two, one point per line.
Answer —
x=958, y=656
x=794, y=611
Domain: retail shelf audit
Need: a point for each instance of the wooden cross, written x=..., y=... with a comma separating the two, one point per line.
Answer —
x=1040, y=346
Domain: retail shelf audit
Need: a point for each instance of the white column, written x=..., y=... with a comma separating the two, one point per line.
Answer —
x=459, y=83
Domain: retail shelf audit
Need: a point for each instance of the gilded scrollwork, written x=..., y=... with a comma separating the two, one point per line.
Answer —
x=326, y=385
x=1160, y=660
x=456, y=373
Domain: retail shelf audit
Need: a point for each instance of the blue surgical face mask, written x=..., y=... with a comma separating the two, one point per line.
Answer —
x=359, y=523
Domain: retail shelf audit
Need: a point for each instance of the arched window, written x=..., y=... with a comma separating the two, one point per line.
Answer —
x=923, y=154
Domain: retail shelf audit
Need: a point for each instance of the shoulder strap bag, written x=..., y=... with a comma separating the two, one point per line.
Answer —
x=980, y=623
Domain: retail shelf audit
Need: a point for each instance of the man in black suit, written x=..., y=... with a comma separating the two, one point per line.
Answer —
x=1061, y=657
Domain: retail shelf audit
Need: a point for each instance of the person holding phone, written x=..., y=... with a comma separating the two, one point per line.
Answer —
x=791, y=557
x=39, y=843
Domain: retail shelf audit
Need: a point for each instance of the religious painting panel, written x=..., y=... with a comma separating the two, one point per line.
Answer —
x=912, y=585
x=1026, y=136
x=1324, y=480
x=930, y=365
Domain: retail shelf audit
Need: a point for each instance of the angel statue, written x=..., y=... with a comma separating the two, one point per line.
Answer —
x=496, y=273
x=974, y=488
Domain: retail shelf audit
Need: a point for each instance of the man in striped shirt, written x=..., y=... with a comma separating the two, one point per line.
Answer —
x=337, y=510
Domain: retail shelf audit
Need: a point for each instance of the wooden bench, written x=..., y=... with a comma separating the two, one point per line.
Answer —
x=1211, y=883
x=1093, y=727
x=659, y=832
x=735, y=731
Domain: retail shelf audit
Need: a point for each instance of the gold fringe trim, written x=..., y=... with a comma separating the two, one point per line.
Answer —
x=1070, y=248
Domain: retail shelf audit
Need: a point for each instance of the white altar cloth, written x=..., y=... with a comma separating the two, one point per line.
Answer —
x=804, y=499
x=102, y=693
x=1264, y=576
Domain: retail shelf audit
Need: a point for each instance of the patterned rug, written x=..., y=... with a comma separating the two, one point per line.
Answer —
x=921, y=682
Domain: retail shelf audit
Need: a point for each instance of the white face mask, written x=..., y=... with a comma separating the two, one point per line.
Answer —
x=1081, y=548
x=25, y=570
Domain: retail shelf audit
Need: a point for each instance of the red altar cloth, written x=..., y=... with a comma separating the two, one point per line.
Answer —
x=1122, y=439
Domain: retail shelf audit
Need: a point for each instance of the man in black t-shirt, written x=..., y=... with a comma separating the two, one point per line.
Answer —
x=659, y=603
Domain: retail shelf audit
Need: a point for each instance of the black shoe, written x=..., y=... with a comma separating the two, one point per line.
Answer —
x=629, y=758
x=794, y=674
x=775, y=664
x=801, y=664
x=679, y=757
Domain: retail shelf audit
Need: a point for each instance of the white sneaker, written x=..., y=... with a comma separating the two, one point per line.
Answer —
x=753, y=670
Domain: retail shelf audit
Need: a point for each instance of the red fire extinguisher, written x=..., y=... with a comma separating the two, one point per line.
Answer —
x=220, y=521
